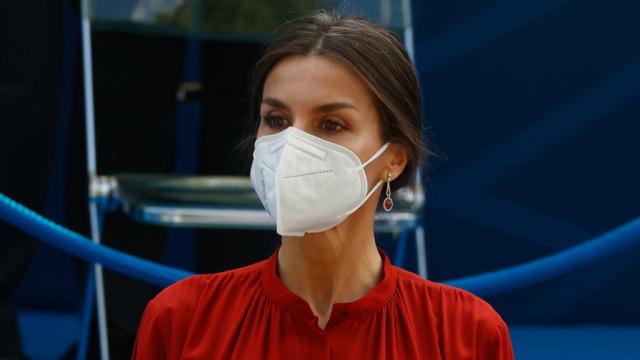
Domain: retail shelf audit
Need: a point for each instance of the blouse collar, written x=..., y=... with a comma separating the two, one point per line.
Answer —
x=374, y=299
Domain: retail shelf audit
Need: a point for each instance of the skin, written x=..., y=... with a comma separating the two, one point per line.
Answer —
x=342, y=264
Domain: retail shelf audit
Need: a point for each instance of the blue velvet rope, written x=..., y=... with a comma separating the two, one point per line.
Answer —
x=535, y=271
x=492, y=283
x=82, y=247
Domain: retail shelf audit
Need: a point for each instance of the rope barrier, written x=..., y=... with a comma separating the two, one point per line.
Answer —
x=80, y=246
x=491, y=283
x=544, y=268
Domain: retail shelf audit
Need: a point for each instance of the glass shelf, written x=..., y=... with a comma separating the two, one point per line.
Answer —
x=216, y=202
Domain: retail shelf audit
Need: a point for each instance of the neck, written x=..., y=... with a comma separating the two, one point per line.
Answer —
x=336, y=266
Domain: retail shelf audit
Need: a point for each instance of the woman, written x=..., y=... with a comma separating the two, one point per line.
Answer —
x=339, y=109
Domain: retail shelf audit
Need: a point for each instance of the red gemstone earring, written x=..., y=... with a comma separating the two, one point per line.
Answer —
x=387, y=204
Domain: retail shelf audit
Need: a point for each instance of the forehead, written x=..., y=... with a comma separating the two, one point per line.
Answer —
x=315, y=79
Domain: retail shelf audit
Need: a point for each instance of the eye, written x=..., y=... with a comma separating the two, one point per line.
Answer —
x=275, y=121
x=332, y=125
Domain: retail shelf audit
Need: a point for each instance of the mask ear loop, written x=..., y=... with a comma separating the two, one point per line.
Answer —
x=378, y=184
x=373, y=157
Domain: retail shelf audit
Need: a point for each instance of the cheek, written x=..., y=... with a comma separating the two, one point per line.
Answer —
x=263, y=130
x=374, y=171
x=365, y=145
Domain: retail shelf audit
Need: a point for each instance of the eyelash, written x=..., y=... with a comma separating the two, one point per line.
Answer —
x=269, y=121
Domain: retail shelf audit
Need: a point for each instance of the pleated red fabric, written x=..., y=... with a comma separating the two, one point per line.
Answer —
x=248, y=313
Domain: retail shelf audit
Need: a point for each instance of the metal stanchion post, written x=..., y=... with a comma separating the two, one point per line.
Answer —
x=92, y=171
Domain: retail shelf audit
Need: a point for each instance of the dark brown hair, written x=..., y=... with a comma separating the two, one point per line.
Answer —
x=373, y=53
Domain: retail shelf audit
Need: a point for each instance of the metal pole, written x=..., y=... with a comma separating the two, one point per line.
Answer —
x=92, y=172
x=421, y=252
x=408, y=28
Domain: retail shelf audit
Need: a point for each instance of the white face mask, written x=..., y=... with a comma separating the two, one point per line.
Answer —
x=308, y=184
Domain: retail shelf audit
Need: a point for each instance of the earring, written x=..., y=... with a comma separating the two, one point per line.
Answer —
x=387, y=204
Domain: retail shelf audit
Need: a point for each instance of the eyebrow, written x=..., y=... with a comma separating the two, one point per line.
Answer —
x=320, y=108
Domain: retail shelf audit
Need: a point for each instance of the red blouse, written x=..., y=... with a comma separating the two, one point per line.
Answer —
x=248, y=313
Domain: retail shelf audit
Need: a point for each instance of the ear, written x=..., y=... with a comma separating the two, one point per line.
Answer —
x=395, y=161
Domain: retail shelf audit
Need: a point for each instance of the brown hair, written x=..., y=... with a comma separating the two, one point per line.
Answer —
x=375, y=54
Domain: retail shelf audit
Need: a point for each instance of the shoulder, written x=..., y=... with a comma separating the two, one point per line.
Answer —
x=187, y=294
x=456, y=309
x=170, y=315
x=443, y=297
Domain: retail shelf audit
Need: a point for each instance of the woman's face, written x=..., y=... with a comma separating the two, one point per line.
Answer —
x=323, y=97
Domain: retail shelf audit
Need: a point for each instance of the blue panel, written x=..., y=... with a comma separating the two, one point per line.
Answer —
x=48, y=335
x=585, y=343
x=534, y=106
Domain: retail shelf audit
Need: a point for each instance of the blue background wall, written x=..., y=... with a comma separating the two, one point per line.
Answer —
x=535, y=109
